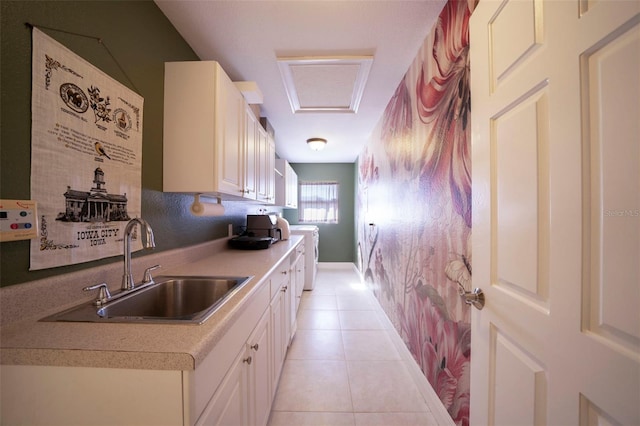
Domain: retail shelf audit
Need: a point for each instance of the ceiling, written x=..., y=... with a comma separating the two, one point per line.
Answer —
x=248, y=37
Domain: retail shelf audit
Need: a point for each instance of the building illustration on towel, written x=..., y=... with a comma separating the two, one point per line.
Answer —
x=96, y=205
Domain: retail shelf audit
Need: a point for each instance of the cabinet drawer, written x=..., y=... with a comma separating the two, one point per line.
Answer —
x=279, y=278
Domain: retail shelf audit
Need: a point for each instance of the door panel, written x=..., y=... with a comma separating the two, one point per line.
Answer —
x=556, y=212
x=613, y=175
x=515, y=31
x=516, y=369
x=520, y=204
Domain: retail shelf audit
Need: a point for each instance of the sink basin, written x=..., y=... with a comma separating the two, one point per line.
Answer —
x=172, y=299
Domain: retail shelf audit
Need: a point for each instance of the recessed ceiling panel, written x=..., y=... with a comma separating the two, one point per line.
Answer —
x=325, y=84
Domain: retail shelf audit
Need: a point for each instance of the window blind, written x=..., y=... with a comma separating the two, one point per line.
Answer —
x=318, y=202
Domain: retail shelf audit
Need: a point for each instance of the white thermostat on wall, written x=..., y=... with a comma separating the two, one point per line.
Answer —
x=18, y=220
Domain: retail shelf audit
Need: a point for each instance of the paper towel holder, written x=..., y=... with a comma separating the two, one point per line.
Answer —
x=206, y=209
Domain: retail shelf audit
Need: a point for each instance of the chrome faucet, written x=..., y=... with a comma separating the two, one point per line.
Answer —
x=147, y=242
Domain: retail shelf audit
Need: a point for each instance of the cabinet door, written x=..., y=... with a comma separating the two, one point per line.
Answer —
x=230, y=137
x=285, y=185
x=280, y=314
x=251, y=155
x=299, y=277
x=277, y=338
x=229, y=405
x=266, y=165
x=260, y=389
x=288, y=301
x=291, y=299
x=189, y=128
x=291, y=188
x=270, y=176
x=263, y=164
x=202, y=137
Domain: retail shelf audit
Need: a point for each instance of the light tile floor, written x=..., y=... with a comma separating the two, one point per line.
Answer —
x=345, y=365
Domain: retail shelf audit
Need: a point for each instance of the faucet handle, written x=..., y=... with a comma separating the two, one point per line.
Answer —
x=147, y=274
x=103, y=294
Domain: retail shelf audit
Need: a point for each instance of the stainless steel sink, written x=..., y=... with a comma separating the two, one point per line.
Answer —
x=172, y=299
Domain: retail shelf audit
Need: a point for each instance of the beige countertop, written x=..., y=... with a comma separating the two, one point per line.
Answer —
x=28, y=341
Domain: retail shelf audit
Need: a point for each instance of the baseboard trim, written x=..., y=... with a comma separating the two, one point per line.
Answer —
x=338, y=265
x=437, y=409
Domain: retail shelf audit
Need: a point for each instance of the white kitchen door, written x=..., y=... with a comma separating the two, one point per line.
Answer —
x=556, y=212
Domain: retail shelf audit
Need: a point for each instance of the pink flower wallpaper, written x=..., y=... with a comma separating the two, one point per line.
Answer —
x=414, y=209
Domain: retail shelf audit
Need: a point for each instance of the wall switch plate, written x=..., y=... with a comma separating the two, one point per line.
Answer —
x=18, y=220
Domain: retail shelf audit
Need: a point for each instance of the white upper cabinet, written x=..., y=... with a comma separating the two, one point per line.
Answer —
x=266, y=166
x=286, y=185
x=251, y=155
x=204, y=129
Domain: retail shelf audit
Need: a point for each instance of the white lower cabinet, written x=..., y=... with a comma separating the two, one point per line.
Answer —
x=245, y=395
x=234, y=385
x=55, y=395
x=285, y=301
x=258, y=361
x=229, y=406
x=279, y=318
x=297, y=276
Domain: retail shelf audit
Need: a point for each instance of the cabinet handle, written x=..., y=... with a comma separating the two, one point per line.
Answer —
x=284, y=272
x=255, y=347
x=284, y=289
x=247, y=360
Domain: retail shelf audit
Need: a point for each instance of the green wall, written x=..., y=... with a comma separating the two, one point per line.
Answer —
x=337, y=241
x=141, y=39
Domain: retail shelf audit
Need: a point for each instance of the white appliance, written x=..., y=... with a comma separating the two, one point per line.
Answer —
x=283, y=226
x=311, y=237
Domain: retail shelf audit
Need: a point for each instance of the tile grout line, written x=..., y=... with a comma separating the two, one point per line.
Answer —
x=429, y=395
x=435, y=409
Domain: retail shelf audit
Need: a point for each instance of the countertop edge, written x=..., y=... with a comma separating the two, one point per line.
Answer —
x=51, y=357
x=196, y=341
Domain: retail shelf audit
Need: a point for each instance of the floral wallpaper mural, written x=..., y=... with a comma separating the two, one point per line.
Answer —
x=414, y=209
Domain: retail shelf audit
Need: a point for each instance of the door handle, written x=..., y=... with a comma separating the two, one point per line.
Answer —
x=474, y=298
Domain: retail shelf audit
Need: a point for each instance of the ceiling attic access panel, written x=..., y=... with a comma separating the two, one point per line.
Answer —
x=325, y=84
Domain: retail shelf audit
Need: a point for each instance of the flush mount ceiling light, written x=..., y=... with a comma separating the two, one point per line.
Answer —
x=325, y=83
x=316, y=144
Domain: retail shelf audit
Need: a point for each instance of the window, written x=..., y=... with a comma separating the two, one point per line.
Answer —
x=318, y=202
